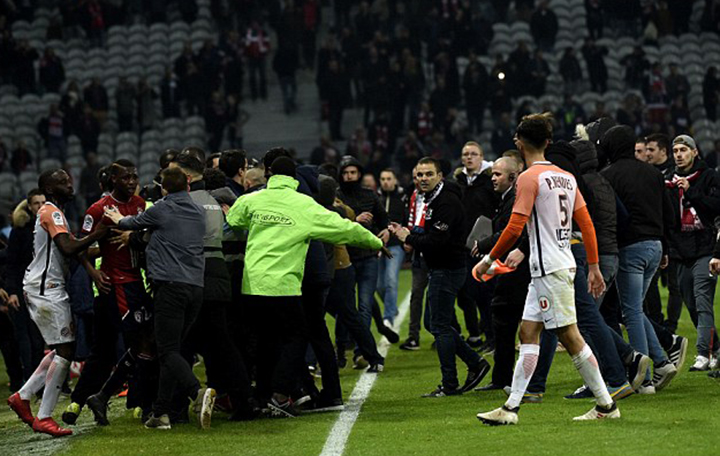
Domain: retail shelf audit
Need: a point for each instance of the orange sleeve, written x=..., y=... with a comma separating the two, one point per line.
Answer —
x=526, y=192
x=582, y=217
x=579, y=201
x=510, y=235
x=53, y=222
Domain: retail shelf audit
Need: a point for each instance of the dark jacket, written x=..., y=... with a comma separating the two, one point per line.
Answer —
x=316, y=268
x=640, y=187
x=362, y=200
x=442, y=245
x=604, y=215
x=704, y=197
x=478, y=197
x=510, y=288
x=564, y=156
x=395, y=204
x=20, y=249
x=667, y=169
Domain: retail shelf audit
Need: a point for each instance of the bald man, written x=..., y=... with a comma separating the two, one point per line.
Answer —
x=254, y=178
x=509, y=298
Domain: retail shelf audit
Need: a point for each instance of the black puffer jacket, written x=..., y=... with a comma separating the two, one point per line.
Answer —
x=442, y=245
x=704, y=197
x=362, y=200
x=478, y=197
x=604, y=215
x=640, y=187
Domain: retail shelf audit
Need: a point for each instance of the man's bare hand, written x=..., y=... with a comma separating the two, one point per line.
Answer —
x=101, y=280
x=715, y=266
x=514, y=258
x=122, y=238
x=113, y=214
x=596, y=283
x=365, y=218
x=384, y=236
x=14, y=302
x=664, y=261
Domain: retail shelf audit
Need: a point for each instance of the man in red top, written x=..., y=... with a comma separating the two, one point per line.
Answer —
x=122, y=307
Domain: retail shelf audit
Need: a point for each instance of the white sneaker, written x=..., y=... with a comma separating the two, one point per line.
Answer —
x=598, y=413
x=701, y=364
x=646, y=389
x=663, y=375
x=499, y=416
x=388, y=323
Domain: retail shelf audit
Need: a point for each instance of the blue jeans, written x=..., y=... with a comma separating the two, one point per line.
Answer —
x=366, y=277
x=638, y=263
x=697, y=287
x=609, y=265
x=443, y=288
x=593, y=329
x=387, y=283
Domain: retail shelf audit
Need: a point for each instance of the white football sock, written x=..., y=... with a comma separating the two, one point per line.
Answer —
x=586, y=363
x=37, y=379
x=56, y=375
x=524, y=369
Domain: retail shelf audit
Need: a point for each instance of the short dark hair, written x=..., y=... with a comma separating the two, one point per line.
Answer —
x=284, y=166
x=47, y=179
x=214, y=179
x=33, y=193
x=231, y=161
x=114, y=169
x=662, y=140
x=272, y=154
x=430, y=161
x=536, y=129
x=103, y=177
x=191, y=159
x=389, y=170
x=167, y=157
x=173, y=180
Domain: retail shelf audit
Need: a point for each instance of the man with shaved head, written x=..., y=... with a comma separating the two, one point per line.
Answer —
x=509, y=297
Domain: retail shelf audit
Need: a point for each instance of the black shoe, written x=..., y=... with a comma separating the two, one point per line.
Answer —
x=98, y=406
x=375, y=368
x=489, y=387
x=410, y=345
x=441, y=391
x=637, y=369
x=488, y=348
x=282, y=410
x=325, y=405
x=341, y=360
x=475, y=375
x=389, y=334
x=474, y=342
x=359, y=362
x=714, y=374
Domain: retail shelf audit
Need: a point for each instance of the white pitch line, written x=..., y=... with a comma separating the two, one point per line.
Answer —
x=340, y=432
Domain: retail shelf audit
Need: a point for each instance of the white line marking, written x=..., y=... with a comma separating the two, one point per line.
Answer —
x=340, y=432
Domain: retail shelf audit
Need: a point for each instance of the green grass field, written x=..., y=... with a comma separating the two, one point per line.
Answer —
x=681, y=420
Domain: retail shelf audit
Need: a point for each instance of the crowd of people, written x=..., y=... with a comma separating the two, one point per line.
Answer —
x=239, y=262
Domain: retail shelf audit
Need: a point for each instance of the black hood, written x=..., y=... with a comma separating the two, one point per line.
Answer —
x=586, y=155
x=699, y=165
x=563, y=155
x=452, y=187
x=618, y=142
x=349, y=160
x=596, y=130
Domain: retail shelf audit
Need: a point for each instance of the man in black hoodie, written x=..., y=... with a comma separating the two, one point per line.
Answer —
x=696, y=197
x=442, y=245
x=641, y=189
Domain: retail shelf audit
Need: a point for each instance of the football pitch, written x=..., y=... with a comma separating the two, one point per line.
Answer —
x=683, y=419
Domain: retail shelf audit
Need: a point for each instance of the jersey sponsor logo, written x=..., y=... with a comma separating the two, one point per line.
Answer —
x=563, y=237
x=270, y=218
x=88, y=223
x=544, y=303
x=58, y=219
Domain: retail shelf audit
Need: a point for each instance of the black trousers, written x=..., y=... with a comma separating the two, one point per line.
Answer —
x=281, y=331
x=473, y=297
x=224, y=365
x=313, y=302
x=177, y=305
x=506, y=316
x=30, y=343
x=9, y=349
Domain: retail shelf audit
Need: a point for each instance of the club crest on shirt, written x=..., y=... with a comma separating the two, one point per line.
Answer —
x=544, y=303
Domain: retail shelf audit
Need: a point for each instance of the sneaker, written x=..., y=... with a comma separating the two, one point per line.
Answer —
x=324, y=405
x=600, y=413
x=714, y=361
x=22, y=408
x=528, y=397
x=441, y=391
x=663, y=374
x=98, y=406
x=646, y=388
x=341, y=360
x=488, y=348
x=620, y=392
x=489, y=387
x=500, y=416
x=282, y=410
x=50, y=427
x=714, y=374
x=375, y=368
x=359, y=362
x=678, y=350
x=158, y=422
x=410, y=345
x=138, y=413
x=475, y=375
x=638, y=369
x=701, y=364
x=203, y=405
x=474, y=341
x=389, y=334
x=581, y=393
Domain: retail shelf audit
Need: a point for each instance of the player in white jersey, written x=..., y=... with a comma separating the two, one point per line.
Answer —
x=48, y=302
x=548, y=200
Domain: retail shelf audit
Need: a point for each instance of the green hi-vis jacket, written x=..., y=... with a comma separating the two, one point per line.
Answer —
x=281, y=223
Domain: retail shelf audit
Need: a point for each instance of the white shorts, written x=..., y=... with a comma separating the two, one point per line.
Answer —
x=52, y=315
x=551, y=299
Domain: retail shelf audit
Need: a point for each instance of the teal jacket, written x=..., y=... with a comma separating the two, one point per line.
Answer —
x=281, y=223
